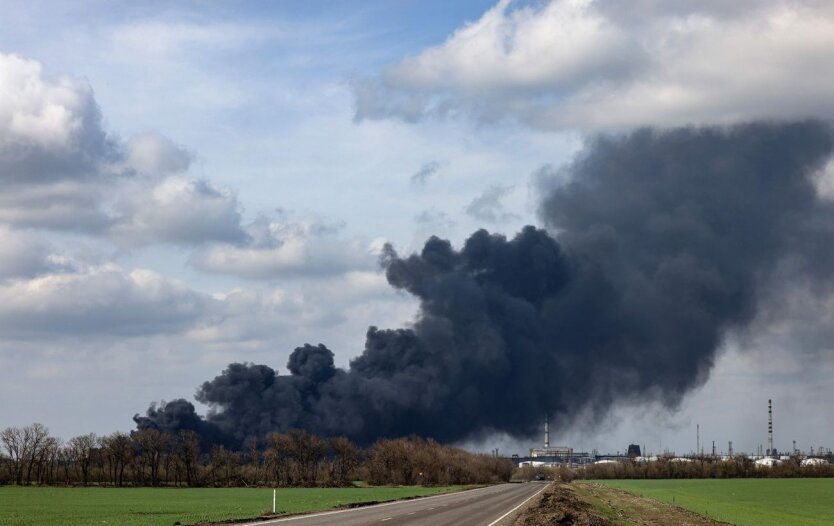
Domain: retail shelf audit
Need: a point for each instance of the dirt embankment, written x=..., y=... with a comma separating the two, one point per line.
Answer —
x=594, y=505
x=557, y=505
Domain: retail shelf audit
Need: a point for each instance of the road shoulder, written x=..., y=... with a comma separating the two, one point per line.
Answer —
x=587, y=504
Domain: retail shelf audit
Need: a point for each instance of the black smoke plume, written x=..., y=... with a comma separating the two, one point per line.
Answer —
x=657, y=245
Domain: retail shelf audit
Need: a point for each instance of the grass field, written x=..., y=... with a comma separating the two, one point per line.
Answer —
x=164, y=506
x=745, y=502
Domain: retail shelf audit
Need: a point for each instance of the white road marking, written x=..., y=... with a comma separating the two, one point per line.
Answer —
x=387, y=519
x=392, y=503
x=499, y=519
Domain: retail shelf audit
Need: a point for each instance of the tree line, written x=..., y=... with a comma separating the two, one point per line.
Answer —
x=738, y=467
x=30, y=455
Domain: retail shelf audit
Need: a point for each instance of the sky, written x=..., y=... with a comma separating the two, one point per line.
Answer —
x=189, y=184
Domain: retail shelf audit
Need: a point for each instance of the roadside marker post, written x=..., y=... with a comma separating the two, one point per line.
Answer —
x=273, y=501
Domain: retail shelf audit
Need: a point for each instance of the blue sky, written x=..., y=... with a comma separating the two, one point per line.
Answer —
x=300, y=126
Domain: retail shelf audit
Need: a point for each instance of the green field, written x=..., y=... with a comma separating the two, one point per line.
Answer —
x=745, y=502
x=44, y=506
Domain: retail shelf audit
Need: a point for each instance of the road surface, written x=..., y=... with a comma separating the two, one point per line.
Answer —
x=478, y=507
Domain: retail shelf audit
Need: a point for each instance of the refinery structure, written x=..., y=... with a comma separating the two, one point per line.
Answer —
x=550, y=456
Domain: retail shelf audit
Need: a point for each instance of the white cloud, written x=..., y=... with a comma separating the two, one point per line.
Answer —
x=103, y=300
x=39, y=116
x=61, y=171
x=24, y=256
x=152, y=154
x=283, y=249
x=591, y=65
x=178, y=210
x=55, y=157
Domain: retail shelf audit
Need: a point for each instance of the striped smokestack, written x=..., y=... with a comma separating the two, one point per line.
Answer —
x=769, y=428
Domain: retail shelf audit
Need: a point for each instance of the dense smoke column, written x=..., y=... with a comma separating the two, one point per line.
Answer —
x=660, y=242
x=180, y=415
x=684, y=229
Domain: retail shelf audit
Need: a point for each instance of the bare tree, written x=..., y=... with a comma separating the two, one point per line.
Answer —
x=13, y=442
x=34, y=440
x=188, y=451
x=118, y=451
x=345, y=460
x=81, y=448
x=152, y=444
x=278, y=458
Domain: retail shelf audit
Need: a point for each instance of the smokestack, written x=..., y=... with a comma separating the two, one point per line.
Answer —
x=697, y=439
x=730, y=449
x=769, y=428
x=546, y=433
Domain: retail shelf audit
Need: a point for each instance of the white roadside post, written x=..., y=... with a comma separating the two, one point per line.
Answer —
x=273, y=501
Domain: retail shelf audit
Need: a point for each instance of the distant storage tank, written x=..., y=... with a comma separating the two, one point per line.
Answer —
x=634, y=451
x=767, y=462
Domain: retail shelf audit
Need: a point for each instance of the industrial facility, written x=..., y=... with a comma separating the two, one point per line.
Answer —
x=565, y=456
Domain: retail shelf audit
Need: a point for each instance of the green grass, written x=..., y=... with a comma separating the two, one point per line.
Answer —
x=44, y=506
x=745, y=502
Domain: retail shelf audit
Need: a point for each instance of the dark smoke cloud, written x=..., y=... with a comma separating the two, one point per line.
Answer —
x=660, y=243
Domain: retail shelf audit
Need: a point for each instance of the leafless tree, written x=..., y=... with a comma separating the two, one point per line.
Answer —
x=345, y=460
x=152, y=445
x=81, y=451
x=13, y=442
x=188, y=451
x=118, y=452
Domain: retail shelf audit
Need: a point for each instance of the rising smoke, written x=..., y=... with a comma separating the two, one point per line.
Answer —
x=658, y=244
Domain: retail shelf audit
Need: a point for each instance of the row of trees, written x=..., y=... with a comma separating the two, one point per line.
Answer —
x=739, y=467
x=30, y=455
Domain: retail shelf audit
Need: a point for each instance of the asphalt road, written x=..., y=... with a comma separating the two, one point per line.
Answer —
x=478, y=507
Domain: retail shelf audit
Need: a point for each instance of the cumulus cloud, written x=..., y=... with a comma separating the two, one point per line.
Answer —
x=62, y=171
x=54, y=154
x=152, y=154
x=102, y=300
x=597, y=65
x=280, y=249
x=488, y=206
x=181, y=211
x=50, y=128
x=22, y=256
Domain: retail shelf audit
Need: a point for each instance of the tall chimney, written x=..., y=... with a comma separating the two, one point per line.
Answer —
x=730, y=449
x=697, y=439
x=546, y=433
x=769, y=428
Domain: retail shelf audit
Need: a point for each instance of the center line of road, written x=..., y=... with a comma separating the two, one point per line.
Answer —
x=387, y=519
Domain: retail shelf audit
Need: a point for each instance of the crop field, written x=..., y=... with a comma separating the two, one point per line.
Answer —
x=745, y=502
x=47, y=506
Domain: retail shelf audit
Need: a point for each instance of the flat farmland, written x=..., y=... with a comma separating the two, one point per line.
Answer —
x=48, y=506
x=745, y=502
